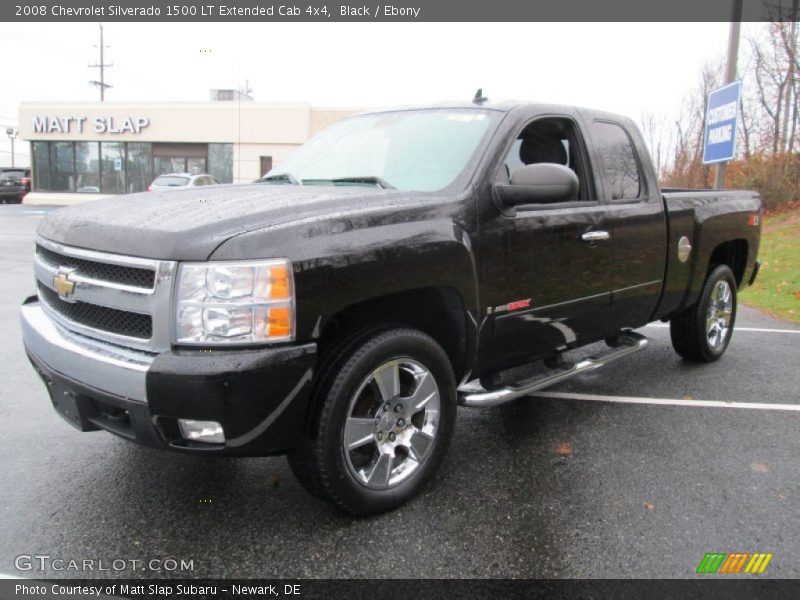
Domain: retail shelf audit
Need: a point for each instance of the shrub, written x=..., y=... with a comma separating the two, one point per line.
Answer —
x=776, y=177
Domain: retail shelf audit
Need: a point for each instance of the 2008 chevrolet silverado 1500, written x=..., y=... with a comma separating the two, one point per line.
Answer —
x=398, y=264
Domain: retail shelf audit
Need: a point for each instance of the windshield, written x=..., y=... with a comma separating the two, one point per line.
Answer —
x=171, y=181
x=12, y=174
x=420, y=150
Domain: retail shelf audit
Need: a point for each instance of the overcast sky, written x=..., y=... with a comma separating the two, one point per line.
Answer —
x=630, y=68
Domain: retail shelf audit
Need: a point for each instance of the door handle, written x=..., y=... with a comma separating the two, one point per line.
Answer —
x=595, y=236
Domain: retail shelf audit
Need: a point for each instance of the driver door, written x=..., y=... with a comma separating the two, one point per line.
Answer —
x=545, y=269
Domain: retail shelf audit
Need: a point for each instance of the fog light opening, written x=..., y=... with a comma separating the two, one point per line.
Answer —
x=209, y=432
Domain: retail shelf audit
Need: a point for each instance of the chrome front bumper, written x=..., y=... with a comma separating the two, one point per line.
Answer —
x=105, y=367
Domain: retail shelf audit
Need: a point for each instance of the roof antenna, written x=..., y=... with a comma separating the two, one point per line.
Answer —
x=479, y=97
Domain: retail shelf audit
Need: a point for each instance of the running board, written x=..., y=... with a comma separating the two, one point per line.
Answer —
x=629, y=342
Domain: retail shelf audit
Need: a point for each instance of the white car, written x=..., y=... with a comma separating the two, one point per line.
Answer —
x=169, y=181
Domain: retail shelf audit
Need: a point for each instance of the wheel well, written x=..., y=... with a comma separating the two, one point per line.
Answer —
x=733, y=254
x=437, y=311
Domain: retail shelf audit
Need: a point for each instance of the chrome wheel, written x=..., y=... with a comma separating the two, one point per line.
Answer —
x=719, y=315
x=391, y=423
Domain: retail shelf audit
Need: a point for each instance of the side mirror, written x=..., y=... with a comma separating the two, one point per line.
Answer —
x=539, y=183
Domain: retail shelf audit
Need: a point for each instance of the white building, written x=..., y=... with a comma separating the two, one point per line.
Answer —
x=82, y=151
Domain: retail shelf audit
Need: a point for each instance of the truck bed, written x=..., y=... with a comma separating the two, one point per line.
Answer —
x=717, y=224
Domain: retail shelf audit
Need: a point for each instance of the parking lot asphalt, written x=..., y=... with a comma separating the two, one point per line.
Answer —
x=543, y=487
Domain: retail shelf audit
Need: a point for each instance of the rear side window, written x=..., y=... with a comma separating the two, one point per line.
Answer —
x=618, y=162
x=171, y=181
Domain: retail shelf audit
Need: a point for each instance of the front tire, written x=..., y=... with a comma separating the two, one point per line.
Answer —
x=702, y=332
x=386, y=414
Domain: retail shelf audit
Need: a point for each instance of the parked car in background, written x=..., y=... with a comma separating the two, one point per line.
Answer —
x=181, y=180
x=27, y=181
x=15, y=182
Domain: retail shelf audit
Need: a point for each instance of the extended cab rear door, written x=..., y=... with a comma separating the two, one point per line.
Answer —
x=636, y=218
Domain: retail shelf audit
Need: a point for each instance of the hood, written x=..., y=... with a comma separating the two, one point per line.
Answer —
x=190, y=224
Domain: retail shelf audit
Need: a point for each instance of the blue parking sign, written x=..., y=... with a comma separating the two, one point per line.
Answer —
x=722, y=116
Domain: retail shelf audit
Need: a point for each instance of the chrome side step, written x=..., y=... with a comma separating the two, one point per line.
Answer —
x=476, y=396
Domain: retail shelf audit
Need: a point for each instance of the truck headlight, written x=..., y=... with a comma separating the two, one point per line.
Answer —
x=236, y=302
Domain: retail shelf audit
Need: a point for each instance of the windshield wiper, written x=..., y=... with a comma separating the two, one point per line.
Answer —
x=366, y=180
x=279, y=178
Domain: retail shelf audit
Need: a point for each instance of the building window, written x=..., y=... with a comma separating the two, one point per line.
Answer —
x=220, y=162
x=180, y=158
x=122, y=167
x=87, y=167
x=195, y=166
x=62, y=167
x=139, y=166
x=41, y=166
x=112, y=167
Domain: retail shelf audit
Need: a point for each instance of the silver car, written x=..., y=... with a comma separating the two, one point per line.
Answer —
x=169, y=181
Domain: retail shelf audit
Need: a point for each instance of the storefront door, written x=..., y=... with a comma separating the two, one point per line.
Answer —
x=180, y=158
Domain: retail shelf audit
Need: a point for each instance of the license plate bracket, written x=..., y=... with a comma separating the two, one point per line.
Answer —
x=72, y=407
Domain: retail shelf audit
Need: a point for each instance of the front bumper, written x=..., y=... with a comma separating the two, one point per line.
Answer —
x=260, y=397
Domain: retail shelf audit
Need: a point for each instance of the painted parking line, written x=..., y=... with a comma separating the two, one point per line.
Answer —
x=668, y=401
x=755, y=329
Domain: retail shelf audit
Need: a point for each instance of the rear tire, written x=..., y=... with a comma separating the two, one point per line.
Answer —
x=386, y=413
x=702, y=332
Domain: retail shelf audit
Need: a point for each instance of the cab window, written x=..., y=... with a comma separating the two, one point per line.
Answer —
x=618, y=164
x=549, y=140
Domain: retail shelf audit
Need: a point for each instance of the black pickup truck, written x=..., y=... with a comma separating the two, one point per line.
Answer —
x=397, y=265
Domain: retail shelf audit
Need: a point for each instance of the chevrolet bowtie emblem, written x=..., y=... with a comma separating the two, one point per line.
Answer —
x=63, y=285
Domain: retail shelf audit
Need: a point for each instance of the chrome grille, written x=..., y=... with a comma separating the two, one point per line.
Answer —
x=120, y=322
x=133, y=276
x=123, y=300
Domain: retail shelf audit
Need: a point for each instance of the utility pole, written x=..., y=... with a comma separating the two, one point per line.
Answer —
x=102, y=66
x=730, y=73
x=790, y=77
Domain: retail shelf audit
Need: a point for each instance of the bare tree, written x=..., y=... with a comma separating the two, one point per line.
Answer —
x=658, y=138
x=775, y=75
x=686, y=168
x=769, y=123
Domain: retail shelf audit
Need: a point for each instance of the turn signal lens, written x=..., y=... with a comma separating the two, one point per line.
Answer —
x=279, y=322
x=279, y=278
